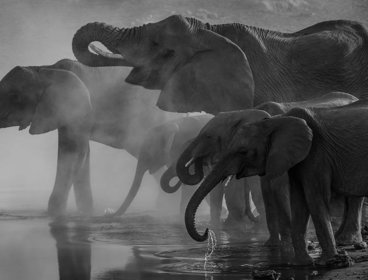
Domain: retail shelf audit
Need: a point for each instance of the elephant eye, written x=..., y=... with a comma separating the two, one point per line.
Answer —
x=249, y=153
x=154, y=43
x=16, y=98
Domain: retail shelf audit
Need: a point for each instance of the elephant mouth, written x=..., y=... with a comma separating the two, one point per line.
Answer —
x=248, y=172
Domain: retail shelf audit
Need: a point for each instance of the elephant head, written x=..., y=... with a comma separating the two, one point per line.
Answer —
x=44, y=99
x=268, y=147
x=195, y=68
x=207, y=147
x=154, y=154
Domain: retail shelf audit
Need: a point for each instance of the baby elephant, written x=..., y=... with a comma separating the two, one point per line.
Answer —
x=275, y=192
x=324, y=150
x=213, y=140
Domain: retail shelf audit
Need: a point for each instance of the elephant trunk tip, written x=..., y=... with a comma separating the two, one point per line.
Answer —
x=191, y=228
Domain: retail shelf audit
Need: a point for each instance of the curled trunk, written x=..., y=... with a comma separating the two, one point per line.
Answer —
x=182, y=169
x=139, y=173
x=166, y=177
x=101, y=32
x=204, y=189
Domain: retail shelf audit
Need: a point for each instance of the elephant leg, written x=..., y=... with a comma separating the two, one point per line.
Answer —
x=299, y=224
x=318, y=205
x=216, y=197
x=350, y=229
x=271, y=213
x=344, y=214
x=72, y=150
x=235, y=195
x=82, y=187
x=281, y=193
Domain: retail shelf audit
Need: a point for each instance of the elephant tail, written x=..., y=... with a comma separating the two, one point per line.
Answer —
x=137, y=181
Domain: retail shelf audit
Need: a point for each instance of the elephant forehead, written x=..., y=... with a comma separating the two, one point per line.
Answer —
x=244, y=115
x=253, y=115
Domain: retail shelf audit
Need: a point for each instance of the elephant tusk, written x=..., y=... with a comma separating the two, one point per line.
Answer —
x=189, y=162
x=99, y=51
x=228, y=180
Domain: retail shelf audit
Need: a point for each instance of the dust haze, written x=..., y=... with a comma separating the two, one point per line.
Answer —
x=39, y=32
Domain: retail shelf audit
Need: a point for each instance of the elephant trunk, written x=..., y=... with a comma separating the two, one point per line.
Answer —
x=183, y=166
x=139, y=173
x=107, y=35
x=169, y=174
x=204, y=189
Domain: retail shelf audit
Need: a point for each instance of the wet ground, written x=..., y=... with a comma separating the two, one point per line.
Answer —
x=139, y=246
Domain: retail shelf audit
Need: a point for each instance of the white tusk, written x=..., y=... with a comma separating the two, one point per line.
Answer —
x=189, y=162
x=228, y=180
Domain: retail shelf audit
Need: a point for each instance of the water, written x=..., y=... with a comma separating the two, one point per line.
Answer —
x=138, y=246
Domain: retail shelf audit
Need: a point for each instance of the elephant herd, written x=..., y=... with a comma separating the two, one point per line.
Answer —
x=288, y=107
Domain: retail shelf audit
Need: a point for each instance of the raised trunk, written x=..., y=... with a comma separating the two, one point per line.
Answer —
x=166, y=177
x=182, y=167
x=139, y=173
x=204, y=189
x=107, y=35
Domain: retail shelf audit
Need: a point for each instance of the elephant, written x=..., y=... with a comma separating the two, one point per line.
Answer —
x=83, y=104
x=162, y=146
x=239, y=201
x=224, y=67
x=211, y=143
x=324, y=151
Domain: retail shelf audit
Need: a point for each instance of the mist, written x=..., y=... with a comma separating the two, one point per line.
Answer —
x=39, y=32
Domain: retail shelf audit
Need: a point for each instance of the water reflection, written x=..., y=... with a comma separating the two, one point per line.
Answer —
x=133, y=247
x=73, y=249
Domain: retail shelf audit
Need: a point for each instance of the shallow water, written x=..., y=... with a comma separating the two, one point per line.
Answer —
x=134, y=247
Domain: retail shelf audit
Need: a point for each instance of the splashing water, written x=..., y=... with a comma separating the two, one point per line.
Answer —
x=109, y=212
x=211, y=246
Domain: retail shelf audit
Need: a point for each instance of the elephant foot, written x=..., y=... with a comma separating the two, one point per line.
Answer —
x=345, y=239
x=85, y=210
x=286, y=239
x=360, y=246
x=234, y=227
x=286, y=246
x=302, y=260
x=56, y=207
x=216, y=224
x=336, y=261
x=273, y=241
x=85, y=205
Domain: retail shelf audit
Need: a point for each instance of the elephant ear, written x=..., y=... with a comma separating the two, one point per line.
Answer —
x=216, y=78
x=64, y=102
x=290, y=142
